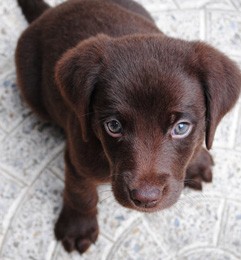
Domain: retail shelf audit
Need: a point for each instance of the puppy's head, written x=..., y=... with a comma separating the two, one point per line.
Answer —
x=152, y=101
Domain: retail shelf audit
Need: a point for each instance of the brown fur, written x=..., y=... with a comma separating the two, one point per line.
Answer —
x=84, y=62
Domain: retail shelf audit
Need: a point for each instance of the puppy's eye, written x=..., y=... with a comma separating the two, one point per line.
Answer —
x=113, y=128
x=181, y=130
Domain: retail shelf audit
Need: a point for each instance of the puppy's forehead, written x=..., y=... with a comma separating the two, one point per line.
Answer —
x=150, y=75
x=150, y=89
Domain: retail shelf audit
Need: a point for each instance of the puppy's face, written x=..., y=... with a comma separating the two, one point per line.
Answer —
x=150, y=98
x=150, y=124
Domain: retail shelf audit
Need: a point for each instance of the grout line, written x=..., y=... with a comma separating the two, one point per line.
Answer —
x=56, y=175
x=153, y=235
x=107, y=237
x=51, y=250
x=17, y=206
x=108, y=247
x=7, y=73
x=44, y=165
x=116, y=245
x=38, y=169
x=197, y=248
x=6, y=172
x=218, y=227
x=223, y=220
x=234, y=5
x=18, y=202
x=177, y=5
x=12, y=213
x=3, y=130
x=16, y=127
x=55, y=251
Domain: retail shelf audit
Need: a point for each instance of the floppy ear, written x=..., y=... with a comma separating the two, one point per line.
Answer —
x=76, y=75
x=221, y=82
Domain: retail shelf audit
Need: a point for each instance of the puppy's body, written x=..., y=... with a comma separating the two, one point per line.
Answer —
x=45, y=41
x=135, y=105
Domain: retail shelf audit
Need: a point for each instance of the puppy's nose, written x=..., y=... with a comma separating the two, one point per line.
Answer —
x=145, y=198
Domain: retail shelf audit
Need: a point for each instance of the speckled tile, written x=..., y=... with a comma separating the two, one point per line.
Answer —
x=12, y=108
x=34, y=221
x=12, y=23
x=154, y=5
x=226, y=132
x=207, y=254
x=230, y=234
x=238, y=131
x=228, y=24
x=133, y=245
x=192, y=221
x=183, y=24
x=37, y=143
x=236, y=59
x=237, y=4
x=57, y=165
x=227, y=171
x=2, y=134
x=120, y=216
x=211, y=4
x=10, y=193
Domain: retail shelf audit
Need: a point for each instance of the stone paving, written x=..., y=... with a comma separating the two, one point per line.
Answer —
x=200, y=226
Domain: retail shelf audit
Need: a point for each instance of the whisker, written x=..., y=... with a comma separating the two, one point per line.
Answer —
x=101, y=201
x=86, y=114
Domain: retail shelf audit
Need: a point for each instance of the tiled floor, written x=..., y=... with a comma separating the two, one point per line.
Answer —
x=200, y=226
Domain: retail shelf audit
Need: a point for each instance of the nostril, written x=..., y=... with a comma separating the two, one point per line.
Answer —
x=147, y=197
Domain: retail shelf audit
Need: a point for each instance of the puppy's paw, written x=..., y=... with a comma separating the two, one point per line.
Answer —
x=76, y=231
x=200, y=170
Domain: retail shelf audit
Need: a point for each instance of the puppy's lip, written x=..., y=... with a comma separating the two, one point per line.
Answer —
x=146, y=210
x=160, y=205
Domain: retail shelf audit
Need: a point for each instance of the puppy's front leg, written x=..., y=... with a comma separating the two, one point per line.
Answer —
x=77, y=225
x=199, y=170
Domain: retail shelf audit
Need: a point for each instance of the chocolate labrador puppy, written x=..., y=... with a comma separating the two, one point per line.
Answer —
x=135, y=104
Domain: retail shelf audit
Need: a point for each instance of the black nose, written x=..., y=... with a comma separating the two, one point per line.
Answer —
x=145, y=197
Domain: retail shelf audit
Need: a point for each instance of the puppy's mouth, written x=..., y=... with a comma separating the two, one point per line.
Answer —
x=164, y=202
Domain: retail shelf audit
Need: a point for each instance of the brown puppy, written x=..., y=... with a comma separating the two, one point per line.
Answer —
x=135, y=105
